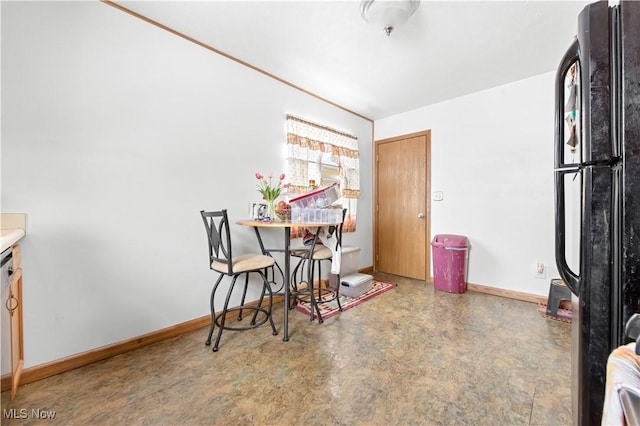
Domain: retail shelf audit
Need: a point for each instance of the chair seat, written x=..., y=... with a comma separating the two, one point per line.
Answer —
x=244, y=263
x=320, y=252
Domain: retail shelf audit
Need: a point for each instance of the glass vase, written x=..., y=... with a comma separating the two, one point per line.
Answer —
x=271, y=209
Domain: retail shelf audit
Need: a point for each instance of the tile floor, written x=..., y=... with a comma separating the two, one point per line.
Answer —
x=411, y=356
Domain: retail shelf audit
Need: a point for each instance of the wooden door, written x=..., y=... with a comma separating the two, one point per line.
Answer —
x=402, y=206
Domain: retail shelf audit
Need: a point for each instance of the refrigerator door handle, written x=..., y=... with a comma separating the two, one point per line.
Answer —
x=570, y=278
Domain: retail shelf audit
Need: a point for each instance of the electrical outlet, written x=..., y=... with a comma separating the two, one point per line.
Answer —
x=540, y=271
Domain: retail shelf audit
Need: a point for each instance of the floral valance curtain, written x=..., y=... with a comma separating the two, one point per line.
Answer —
x=324, y=155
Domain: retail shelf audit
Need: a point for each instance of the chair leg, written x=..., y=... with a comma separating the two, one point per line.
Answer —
x=272, y=281
x=298, y=275
x=213, y=310
x=314, y=302
x=244, y=295
x=337, y=289
x=261, y=299
x=300, y=269
x=270, y=310
x=294, y=281
x=320, y=290
x=223, y=314
x=338, y=294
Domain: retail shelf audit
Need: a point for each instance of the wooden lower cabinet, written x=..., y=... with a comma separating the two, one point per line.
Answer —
x=17, y=348
x=13, y=306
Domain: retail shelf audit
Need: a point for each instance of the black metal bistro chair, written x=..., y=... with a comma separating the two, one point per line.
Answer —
x=222, y=260
x=310, y=260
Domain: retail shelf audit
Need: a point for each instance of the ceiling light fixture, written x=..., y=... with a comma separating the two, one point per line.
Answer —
x=388, y=14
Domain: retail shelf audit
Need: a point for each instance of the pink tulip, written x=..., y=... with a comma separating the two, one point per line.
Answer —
x=259, y=175
x=282, y=176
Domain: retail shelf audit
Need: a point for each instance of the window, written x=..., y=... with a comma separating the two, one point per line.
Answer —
x=324, y=155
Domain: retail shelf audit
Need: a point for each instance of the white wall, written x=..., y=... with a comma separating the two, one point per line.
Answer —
x=115, y=134
x=492, y=156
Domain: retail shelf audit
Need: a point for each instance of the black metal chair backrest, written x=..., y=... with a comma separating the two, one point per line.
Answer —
x=216, y=224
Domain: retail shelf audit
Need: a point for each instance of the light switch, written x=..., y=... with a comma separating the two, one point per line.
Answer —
x=438, y=196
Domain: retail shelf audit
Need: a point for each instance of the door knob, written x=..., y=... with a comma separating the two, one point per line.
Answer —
x=420, y=215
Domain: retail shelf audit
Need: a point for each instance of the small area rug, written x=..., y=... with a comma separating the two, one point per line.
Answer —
x=564, y=315
x=329, y=309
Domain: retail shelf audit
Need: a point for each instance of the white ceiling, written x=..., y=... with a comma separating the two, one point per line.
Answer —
x=447, y=48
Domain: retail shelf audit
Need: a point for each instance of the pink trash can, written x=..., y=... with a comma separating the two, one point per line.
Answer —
x=450, y=256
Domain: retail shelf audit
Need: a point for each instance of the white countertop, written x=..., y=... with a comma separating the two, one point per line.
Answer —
x=9, y=237
x=12, y=228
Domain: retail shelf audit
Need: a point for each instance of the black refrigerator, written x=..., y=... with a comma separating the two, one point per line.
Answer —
x=597, y=191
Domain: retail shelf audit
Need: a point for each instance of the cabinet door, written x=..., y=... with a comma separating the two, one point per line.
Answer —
x=14, y=304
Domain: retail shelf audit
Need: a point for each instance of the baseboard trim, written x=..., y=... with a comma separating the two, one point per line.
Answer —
x=39, y=372
x=525, y=297
x=42, y=371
